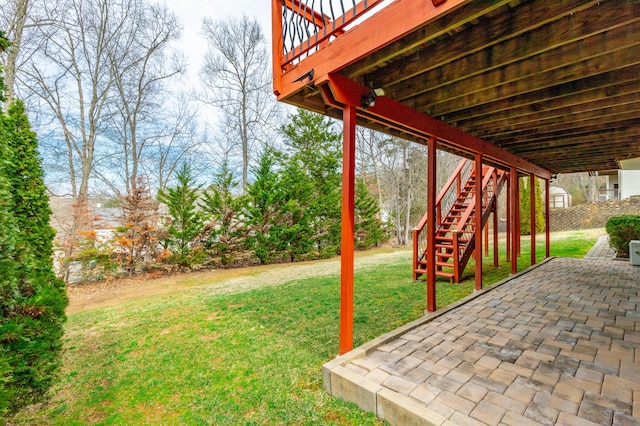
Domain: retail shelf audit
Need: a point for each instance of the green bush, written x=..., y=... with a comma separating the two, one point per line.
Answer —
x=621, y=230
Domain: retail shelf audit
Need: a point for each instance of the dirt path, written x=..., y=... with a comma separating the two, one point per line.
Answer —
x=88, y=296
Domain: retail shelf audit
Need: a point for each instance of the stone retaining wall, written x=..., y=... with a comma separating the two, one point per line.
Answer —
x=586, y=216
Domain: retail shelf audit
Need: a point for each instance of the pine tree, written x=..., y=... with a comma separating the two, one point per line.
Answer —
x=369, y=230
x=313, y=172
x=33, y=300
x=225, y=230
x=185, y=222
x=263, y=209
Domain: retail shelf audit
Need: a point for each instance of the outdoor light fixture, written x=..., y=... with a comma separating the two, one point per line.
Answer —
x=369, y=100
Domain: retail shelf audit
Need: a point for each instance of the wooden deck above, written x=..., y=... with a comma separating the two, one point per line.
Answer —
x=554, y=82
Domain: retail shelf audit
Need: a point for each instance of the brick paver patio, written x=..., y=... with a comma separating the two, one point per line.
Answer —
x=558, y=344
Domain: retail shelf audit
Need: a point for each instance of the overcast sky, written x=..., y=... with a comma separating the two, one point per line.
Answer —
x=191, y=13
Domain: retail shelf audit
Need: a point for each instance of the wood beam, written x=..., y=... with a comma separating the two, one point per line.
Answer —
x=547, y=230
x=532, y=216
x=584, y=111
x=478, y=220
x=528, y=77
x=347, y=238
x=429, y=32
x=375, y=32
x=559, y=94
x=545, y=137
x=397, y=115
x=556, y=39
x=431, y=224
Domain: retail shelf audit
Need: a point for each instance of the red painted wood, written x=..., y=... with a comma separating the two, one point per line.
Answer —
x=397, y=115
x=546, y=218
x=495, y=222
x=478, y=221
x=431, y=224
x=508, y=224
x=532, y=211
x=347, y=243
x=514, y=219
x=277, y=46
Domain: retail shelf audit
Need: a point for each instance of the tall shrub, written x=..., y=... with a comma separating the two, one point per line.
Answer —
x=369, y=230
x=263, y=209
x=621, y=230
x=184, y=221
x=312, y=172
x=525, y=207
x=225, y=232
x=33, y=300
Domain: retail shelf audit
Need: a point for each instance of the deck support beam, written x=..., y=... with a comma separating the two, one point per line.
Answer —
x=478, y=220
x=347, y=237
x=547, y=231
x=495, y=223
x=515, y=234
x=532, y=211
x=431, y=224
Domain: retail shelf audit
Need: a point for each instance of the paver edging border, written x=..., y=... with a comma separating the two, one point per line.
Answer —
x=337, y=380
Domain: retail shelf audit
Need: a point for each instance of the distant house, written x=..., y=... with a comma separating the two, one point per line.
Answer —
x=623, y=183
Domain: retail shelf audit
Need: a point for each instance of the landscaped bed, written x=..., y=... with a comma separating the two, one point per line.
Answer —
x=245, y=349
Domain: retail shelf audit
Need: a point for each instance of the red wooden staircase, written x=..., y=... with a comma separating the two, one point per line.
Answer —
x=455, y=231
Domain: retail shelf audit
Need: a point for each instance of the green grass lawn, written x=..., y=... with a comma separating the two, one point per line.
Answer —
x=195, y=357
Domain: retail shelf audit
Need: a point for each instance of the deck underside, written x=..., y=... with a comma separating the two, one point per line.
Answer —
x=554, y=82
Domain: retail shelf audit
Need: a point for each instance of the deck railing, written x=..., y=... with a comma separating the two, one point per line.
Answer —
x=305, y=25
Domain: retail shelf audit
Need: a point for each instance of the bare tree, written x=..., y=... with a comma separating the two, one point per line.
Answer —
x=142, y=64
x=236, y=78
x=14, y=18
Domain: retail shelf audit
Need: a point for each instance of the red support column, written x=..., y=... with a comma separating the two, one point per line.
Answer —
x=547, y=231
x=532, y=211
x=517, y=224
x=508, y=224
x=431, y=224
x=514, y=213
x=486, y=240
x=347, y=244
x=478, y=221
x=495, y=224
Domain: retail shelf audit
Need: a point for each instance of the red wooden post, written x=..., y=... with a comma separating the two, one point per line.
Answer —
x=517, y=224
x=495, y=220
x=347, y=244
x=514, y=213
x=508, y=224
x=431, y=224
x=478, y=221
x=277, y=53
x=532, y=210
x=546, y=218
x=486, y=239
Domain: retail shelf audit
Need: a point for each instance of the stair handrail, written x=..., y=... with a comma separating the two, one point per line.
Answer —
x=456, y=175
x=419, y=245
x=467, y=213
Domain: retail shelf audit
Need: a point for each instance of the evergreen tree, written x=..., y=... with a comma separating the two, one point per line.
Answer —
x=263, y=209
x=225, y=231
x=369, y=230
x=525, y=207
x=32, y=300
x=312, y=174
x=185, y=222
